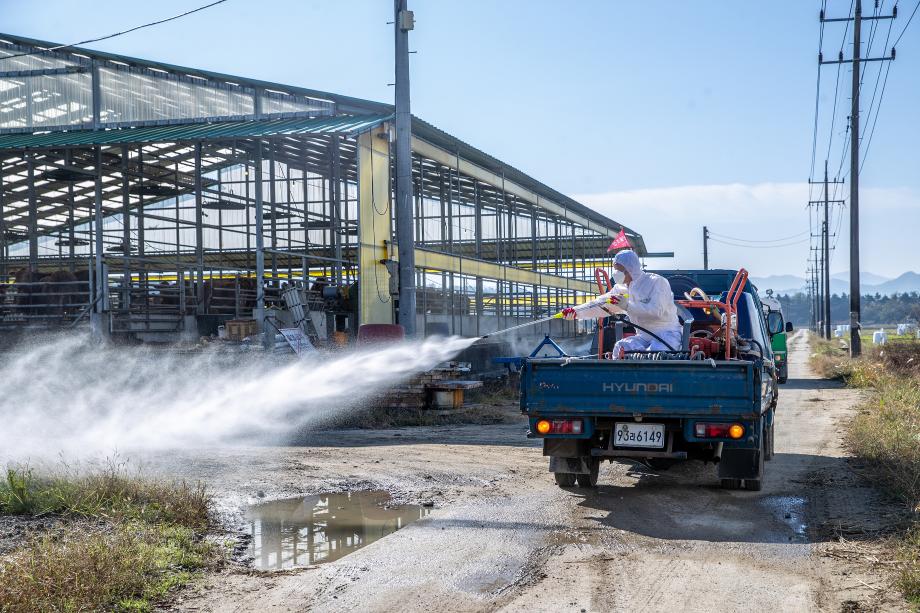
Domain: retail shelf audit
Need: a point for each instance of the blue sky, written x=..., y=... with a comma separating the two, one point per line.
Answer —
x=666, y=116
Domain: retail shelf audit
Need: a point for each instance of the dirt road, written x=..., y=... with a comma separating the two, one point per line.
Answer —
x=502, y=536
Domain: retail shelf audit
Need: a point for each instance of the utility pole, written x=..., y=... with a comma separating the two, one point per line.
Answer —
x=811, y=294
x=705, y=248
x=825, y=249
x=403, y=22
x=857, y=19
x=855, y=340
x=819, y=266
x=827, y=262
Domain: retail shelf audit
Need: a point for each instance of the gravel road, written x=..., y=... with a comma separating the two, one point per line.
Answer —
x=502, y=536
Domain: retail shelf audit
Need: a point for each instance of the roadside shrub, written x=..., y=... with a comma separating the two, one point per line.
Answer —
x=111, y=494
x=124, y=567
x=886, y=431
x=122, y=542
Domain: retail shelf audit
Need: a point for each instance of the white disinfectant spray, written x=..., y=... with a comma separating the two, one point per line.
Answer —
x=66, y=395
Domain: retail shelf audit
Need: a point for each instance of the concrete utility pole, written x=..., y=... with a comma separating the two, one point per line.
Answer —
x=855, y=341
x=827, y=262
x=825, y=281
x=857, y=19
x=705, y=248
x=403, y=22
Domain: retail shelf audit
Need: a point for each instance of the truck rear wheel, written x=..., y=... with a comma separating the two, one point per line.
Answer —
x=769, y=436
x=755, y=485
x=565, y=479
x=590, y=480
x=730, y=484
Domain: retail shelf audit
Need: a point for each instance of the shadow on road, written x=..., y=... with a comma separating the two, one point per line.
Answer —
x=810, y=384
x=503, y=435
x=686, y=502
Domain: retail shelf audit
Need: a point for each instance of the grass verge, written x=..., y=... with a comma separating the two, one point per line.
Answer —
x=886, y=431
x=122, y=542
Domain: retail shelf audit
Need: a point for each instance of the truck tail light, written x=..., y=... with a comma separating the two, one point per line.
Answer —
x=560, y=426
x=718, y=430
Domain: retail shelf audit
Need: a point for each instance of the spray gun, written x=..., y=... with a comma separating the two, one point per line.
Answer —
x=605, y=305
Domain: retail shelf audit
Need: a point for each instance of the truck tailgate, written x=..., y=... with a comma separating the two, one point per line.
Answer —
x=668, y=388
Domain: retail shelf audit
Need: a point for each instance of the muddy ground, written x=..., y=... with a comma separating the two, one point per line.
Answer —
x=501, y=535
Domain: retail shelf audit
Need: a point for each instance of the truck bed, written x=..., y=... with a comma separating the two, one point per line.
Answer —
x=678, y=388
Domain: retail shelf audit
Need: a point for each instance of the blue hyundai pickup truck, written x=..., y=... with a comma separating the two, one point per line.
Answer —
x=711, y=399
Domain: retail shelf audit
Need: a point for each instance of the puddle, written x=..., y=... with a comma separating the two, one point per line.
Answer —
x=789, y=510
x=322, y=528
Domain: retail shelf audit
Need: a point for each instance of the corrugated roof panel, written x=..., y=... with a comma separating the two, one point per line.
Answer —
x=345, y=125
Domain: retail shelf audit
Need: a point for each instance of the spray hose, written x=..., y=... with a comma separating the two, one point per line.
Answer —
x=655, y=336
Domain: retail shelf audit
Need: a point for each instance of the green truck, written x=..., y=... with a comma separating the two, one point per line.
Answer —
x=778, y=328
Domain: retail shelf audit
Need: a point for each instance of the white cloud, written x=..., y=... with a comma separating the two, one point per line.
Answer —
x=672, y=219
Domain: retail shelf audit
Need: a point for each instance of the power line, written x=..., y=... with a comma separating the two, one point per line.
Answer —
x=814, y=137
x=792, y=244
x=746, y=240
x=113, y=35
x=909, y=19
x=843, y=42
x=869, y=116
x=875, y=119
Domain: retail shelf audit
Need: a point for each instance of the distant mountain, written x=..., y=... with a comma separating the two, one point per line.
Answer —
x=867, y=278
x=840, y=283
x=778, y=283
x=908, y=282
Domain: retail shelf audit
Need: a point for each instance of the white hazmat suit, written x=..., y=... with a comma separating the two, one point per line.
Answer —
x=649, y=302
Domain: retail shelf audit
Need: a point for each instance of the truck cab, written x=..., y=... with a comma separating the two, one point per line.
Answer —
x=707, y=400
x=778, y=329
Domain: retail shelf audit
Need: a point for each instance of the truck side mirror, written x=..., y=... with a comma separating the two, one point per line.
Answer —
x=788, y=326
x=774, y=322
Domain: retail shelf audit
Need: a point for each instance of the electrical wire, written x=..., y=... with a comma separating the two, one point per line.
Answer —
x=875, y=91
x=865, y=151
x=906, y=25
x=884, y=84
x=792, y=244
x=113, y=35
x=843, y=41
x=745, y=240
x=814, y=136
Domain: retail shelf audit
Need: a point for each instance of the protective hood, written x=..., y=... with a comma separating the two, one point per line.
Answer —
x=630, y=261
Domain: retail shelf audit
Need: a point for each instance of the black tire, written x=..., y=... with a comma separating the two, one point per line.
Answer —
x=755, y=485
x=565, y=479
x=590, y=480
x=730, y=484
x=769, y=435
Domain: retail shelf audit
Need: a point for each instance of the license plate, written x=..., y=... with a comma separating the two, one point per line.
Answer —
x=638, y=435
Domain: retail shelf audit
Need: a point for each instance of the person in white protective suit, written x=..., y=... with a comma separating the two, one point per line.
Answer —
x=649, y=302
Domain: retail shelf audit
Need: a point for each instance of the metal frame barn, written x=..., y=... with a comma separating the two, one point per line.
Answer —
x=146, y=198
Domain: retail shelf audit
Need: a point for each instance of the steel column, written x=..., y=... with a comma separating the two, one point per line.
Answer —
x=126, y=230
x=273, y=212
x=199, y=233
x=260, y=241
x=100, y=285
x=33, y=214
x=374, y=223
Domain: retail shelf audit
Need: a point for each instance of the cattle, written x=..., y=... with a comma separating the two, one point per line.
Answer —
x=59, y=294
x=221, y=296
x=53, y=296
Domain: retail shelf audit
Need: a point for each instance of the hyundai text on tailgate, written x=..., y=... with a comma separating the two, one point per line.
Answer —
x=711, y=399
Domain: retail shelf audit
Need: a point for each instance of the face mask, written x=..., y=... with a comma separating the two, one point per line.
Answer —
x=619, y=277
